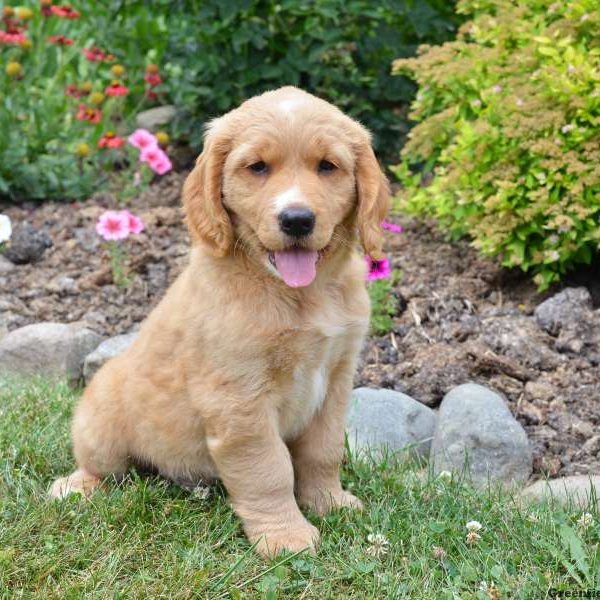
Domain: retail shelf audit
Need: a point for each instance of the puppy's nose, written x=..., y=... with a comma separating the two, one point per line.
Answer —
x=297, y=222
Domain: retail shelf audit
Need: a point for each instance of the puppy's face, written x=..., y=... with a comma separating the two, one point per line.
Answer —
x=294, y=177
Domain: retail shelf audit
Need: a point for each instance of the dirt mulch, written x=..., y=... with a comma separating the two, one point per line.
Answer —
x=460, y=317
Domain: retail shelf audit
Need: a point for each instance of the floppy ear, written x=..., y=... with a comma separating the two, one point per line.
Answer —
x=373, y=200
x=206, y=216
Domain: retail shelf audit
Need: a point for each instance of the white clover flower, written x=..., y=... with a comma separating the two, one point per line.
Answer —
x=379, y=545
x=585, y=521
x=445, y=475
x=474, y=526
x=519, y=102
x=567, y=128
x=476, y=102
x=571, y=69
x=497, y=89
x=584, y=18
x=5, y=228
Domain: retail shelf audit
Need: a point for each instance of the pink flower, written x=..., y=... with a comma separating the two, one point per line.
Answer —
x=392, y=227
x=141, y=138
x=161, y=166
x=113, y=225
x=135, y=224
x=116, y=89
x=157, y=159
x=378, y=269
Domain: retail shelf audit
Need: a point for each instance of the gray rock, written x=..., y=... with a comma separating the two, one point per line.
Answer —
x=154, y=118
x=476, y=431
x=104, y=352
x=575, y=490
x=5, y=264
x=27, y=244
x=51, y=349
x=380, y=419
x=566, y=308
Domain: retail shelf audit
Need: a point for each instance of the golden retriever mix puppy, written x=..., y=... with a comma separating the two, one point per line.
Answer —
x=244, y=370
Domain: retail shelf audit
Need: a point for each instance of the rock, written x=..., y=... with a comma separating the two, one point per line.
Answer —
x=575, y=490
x=27, y=244
x=52, y=349
x=518, y=337
x=5, y=264
x=569, y=316
x=565, y=309
x=381, y=419
x=104, y=352
x=540, y=390
x=62, y=285
x=475, y=425
x=154, y=118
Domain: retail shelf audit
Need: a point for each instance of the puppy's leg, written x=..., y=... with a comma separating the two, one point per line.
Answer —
x=318, y=452
x=98, y=443
x=255, y=466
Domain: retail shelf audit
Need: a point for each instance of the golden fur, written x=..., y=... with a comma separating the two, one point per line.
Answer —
x=235, y=374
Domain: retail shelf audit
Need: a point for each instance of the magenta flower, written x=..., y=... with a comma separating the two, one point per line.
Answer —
x=141, y=138
x=378, y=269
x=113, y=225
x=135, y=224
x=392, y=227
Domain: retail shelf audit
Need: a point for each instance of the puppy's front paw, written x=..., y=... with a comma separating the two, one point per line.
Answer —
x=301, y=537
x=79, y=482
x=323, y=501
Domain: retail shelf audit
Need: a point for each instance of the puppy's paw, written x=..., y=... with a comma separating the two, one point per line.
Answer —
x=293, y=539
x=79, y=482
x=324, y=501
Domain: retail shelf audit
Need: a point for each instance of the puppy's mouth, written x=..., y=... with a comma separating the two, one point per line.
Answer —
x=297, y=266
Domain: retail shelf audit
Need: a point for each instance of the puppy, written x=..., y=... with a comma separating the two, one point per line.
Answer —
x=244, y=370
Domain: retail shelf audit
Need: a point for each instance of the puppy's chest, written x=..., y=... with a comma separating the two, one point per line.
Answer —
x=305, y=379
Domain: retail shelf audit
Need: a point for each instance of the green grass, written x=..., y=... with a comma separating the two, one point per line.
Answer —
x=145, y=538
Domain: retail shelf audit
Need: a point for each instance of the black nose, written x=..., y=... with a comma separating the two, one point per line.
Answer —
x=297, y=222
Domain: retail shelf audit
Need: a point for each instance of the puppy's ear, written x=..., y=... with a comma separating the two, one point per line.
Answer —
x=373, y=200
x=206, y=216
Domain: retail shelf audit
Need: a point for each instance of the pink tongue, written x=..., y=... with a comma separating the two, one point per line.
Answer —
x=298, y=267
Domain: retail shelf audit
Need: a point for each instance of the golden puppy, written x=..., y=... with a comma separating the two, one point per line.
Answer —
x=244, y=370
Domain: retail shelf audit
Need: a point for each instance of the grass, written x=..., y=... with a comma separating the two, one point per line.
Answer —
x=145, y=538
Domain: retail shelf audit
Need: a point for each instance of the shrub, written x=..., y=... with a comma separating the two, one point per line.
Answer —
x=59, y=96
x=508, y=140
x=222, y=53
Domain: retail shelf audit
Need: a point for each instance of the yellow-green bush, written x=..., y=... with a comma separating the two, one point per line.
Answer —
x=507, y=145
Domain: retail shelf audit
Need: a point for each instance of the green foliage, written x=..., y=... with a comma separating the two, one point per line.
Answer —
x=223, y=52
x=384, y=304
x=39, y=130
x=509, y=128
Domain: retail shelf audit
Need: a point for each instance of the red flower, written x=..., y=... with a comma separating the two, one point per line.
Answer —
x=151, y=94
x=153, y=79
x=73, y=91
x=116, y=89
x=61, y=40
x=64, y=12
x=110, y=140
x=87, y=113
x=12, y=38
x=95, y=54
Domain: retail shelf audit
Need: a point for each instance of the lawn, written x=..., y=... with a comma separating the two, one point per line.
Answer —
x=147, y=538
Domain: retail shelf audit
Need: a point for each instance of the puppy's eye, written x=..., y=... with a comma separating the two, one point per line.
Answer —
x=260, y=167
x=326, y=167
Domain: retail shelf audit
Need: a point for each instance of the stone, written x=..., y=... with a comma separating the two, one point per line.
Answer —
x=575, y=490
x=27, y=244
x=104, y=352
x=51, y=349
x=564, y=309
x=154, y=118
x=476, y=432
x=385, y=419
x=5, y=264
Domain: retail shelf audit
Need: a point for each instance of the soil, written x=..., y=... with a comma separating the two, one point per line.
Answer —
x=461, y=317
